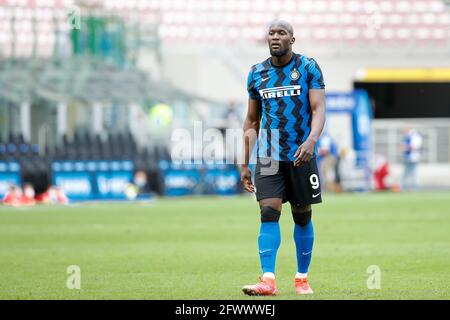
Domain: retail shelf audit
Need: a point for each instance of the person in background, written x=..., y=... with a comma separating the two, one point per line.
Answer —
x=232, y=119
x=380, y=173
x=141, y=181
x=412, y=145
x=53, y=195
x=27, y=197
x=12, y=197
x=232, y=116
x=59, y=196
x=138, y=187
x=327, y=150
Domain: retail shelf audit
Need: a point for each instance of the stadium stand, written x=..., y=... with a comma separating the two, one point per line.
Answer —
x=38, y=61
x=414, y=22
x=35, y=166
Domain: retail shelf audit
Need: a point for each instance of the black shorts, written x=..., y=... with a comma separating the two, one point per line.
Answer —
x=298, y=185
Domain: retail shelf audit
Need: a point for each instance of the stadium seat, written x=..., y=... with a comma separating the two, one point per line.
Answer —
x=227, y=20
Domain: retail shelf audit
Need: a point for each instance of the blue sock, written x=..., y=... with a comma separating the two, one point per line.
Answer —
x=304, y=239
x=268, y=244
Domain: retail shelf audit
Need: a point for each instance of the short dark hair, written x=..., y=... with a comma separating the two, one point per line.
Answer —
x=284, y=24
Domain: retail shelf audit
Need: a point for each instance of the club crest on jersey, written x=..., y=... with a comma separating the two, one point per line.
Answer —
x=279, y=92
x=294, y=75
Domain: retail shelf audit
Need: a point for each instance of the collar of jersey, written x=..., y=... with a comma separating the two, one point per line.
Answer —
x=286, y=64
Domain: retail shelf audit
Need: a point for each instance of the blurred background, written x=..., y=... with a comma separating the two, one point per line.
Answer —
x=91, y=93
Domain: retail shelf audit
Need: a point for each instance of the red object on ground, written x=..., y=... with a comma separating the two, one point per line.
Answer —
x=11, y=199
x=61, y=197
x=52, y=195
x=43, y=197
x=27, y=201
x=379, y=175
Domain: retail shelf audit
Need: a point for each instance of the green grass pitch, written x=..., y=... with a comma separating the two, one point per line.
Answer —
x=206, y=248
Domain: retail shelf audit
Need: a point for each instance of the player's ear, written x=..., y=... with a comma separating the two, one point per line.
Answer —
x=292, y=40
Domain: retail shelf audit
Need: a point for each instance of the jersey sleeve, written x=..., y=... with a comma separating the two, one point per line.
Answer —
x=252, y=92
x=315, y=76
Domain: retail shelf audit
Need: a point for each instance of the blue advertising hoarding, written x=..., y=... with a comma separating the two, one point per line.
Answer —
x=76, y=185
x=111, y=185
x=222, y=181
x=9, y=175
x=91, y=180
x=350, y=114
x=189, y=179
x=357, y=105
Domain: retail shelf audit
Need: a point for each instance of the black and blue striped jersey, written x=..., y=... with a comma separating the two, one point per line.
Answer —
x=286, y=113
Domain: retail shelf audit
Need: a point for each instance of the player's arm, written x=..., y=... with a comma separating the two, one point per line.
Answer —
x=316, y=95
x=251, y=130
x=317, y=103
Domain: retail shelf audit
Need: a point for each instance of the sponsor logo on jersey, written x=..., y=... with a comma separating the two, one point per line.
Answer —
x=279, y=92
